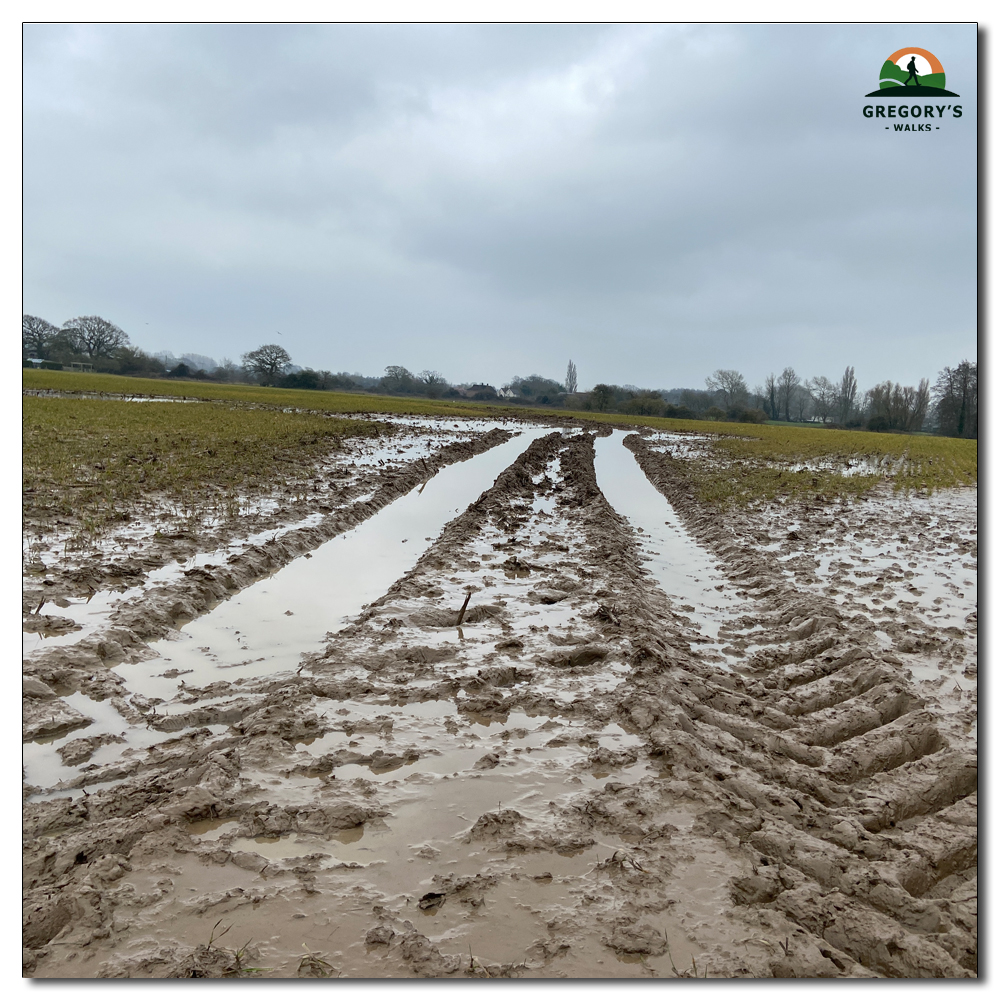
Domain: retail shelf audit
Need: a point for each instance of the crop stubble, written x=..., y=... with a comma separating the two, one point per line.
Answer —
x=104, y=458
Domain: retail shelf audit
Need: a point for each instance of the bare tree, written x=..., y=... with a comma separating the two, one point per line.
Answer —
x=434, y=383
x=801, y=403
x=824, y=396
x=94, y=336
x=37, y=336
x=771, y=396
x=847, y=394
x=956, y=393
x=730, y=383
x=921, y=404
x=897, y=407
x=268, y=363
x=787, y=384
x=400, y=379
x=571, y=382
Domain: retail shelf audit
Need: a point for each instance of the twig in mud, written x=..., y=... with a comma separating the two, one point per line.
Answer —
x=621, y=862
x=461, y=613
x=605, y=613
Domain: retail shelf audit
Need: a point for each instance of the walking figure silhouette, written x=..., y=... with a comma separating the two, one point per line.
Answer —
x=912, y=68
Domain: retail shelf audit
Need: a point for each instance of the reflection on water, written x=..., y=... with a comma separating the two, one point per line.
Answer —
x=684, y=570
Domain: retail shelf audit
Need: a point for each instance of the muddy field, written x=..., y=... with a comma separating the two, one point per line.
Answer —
x=503, y=700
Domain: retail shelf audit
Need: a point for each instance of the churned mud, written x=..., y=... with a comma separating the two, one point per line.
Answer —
x=523, y=707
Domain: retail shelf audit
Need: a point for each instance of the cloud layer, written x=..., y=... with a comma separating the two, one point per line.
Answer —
x=655, y=201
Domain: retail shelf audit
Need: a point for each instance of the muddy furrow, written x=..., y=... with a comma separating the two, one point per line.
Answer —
x=832, y=763
x=160, y=610
x=499, y=554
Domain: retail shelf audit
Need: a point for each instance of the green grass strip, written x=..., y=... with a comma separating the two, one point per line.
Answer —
x=752, y=460
x=95, y=459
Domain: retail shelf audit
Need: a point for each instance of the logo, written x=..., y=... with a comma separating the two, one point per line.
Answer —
x=911, y=73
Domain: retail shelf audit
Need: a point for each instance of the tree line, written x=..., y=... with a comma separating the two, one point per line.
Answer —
x=949, y=407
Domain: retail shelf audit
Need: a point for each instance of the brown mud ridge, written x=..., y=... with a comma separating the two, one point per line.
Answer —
x=517, y=762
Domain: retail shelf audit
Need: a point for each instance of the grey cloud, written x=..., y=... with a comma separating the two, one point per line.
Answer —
x=656, y=201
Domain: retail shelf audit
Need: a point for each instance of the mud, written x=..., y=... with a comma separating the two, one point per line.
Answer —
x=551, y=747
x=163, y=535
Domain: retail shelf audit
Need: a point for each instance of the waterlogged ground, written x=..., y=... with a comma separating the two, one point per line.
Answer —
x=519, y=705
x=161, y=534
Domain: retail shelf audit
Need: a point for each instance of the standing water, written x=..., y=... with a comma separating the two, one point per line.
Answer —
x=267, y=627
x=685, y=571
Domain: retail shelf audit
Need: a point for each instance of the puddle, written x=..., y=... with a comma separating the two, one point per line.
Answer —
x=251, y=635
x=212, y=829
x=94, y=612
x=111, y=397
x=682, y=446
x=415, y=869
x=43, y=767
x=90, y=615
x=889, y=554
x=685, y=571
x=496, y=910
x=863, y=466
x=343, y=469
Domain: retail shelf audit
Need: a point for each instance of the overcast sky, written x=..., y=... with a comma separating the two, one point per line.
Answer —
x=653, y=201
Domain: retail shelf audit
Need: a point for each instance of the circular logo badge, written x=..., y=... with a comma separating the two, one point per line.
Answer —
x=913, y=72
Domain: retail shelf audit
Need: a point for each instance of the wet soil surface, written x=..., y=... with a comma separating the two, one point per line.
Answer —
x=550, y=717
x=65, y=568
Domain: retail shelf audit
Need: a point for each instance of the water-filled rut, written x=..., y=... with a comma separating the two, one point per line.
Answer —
x=688, y=573
x=270, y=625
